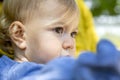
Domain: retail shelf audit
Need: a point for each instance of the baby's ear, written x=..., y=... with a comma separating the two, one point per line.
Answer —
x=17, y=34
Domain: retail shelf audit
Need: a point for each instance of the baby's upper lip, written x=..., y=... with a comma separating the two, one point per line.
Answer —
x=68, y=55
x=65, y=53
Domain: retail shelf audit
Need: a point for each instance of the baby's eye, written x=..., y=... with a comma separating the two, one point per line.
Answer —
x=73, y=34
x=59, y=30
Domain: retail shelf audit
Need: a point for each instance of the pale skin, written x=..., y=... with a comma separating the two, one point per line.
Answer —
x=45, y=37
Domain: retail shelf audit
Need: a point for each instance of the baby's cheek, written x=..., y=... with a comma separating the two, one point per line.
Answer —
x=53, y=47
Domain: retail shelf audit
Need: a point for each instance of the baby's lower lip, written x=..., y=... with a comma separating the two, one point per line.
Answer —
x=66, y=55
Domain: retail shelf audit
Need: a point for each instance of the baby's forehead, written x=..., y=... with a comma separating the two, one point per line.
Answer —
x=50, y=7
x=54, y=9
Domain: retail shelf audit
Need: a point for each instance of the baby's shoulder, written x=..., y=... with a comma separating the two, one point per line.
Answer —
x=12, y=70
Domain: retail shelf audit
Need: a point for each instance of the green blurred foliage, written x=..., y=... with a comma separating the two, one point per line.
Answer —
x=106, y=7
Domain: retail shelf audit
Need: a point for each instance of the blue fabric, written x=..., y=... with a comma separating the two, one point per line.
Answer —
x=102, y=65
x=57, y=69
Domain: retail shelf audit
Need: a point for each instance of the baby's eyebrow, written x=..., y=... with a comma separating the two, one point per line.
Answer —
x=76, y=29
x=55, y=23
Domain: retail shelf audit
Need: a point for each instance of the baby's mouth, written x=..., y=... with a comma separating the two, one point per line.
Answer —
x=65, y=53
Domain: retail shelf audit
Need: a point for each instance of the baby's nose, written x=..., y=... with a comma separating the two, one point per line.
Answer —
x=68, y=43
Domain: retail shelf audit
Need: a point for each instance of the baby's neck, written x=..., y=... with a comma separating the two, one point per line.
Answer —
x=20, y=59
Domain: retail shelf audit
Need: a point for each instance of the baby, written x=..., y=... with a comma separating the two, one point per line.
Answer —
x=42, y=34
x=40, y=31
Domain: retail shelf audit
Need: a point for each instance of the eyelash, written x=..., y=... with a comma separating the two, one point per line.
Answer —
x=60, y=31
x=74, y=34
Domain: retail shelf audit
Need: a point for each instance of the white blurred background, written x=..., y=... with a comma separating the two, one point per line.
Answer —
x=107, y=20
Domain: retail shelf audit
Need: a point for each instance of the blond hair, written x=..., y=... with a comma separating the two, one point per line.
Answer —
x=23, y=11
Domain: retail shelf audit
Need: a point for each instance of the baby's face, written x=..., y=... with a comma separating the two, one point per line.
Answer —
x=52, y=34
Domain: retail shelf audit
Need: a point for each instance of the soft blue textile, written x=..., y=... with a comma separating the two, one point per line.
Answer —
x=103, y=65
x=57, y=69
